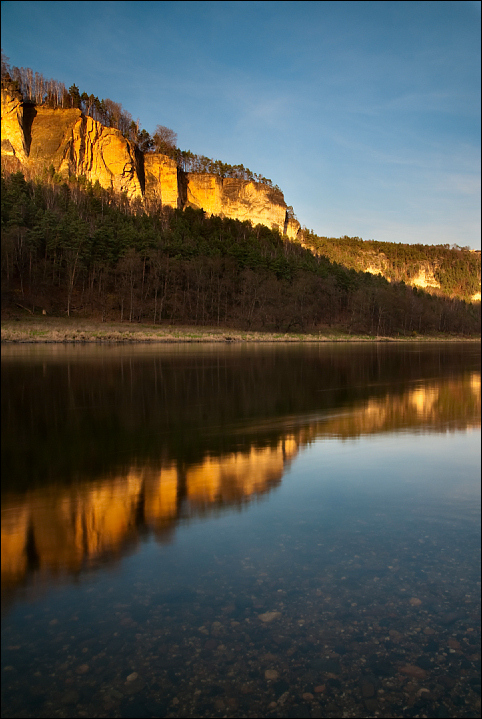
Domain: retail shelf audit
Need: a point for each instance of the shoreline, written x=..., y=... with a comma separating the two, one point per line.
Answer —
x=64, y=330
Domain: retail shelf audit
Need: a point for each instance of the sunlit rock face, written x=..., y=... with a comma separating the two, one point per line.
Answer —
x=292, y=228
x=237, y=199
x=103, y=154
x=78, y=145
x=73, y=144
x=161, y=177
x=38, y=137
x=205, y=192
x=51, y=133
x=378, y=264
x=13, y=136
x=251, y=201
x=425, y=279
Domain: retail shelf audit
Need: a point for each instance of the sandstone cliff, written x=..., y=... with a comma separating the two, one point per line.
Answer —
x=13, y=133
x=103, y=154
x=73, y=144
x=161, y=180
x=240, y=200
x=37, y=137
x=438, y=270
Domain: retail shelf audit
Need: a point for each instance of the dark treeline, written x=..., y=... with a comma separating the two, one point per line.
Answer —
x=34, y=88
x=74, y=248
x=456, y=269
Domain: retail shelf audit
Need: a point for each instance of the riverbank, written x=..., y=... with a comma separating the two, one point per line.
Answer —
x=48, y=329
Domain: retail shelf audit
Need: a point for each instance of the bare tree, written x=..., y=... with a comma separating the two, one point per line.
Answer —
x=5, y=64
x=165, y=140
x=113, y=112
x=39, y=88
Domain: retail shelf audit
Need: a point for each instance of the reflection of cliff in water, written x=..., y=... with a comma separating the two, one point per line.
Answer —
x=92, y=412
x=65, y=529
x=97, y=454
x=431, y=407
x=57, y=529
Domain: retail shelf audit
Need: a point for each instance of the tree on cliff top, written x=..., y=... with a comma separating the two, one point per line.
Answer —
x=144, y=140
x=165, y=140
x=75, y=98
x=5, y=65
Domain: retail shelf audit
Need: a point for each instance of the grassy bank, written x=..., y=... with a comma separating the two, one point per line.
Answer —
x=48, y=329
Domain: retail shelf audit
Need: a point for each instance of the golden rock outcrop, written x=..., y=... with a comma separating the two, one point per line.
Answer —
x=237, y=199
x=380, y=265
x=161, y=179
x=78, y=145
x=292, y=228
x=39, y=137
x=13, y=134
x=51, y=134
x=103, y=154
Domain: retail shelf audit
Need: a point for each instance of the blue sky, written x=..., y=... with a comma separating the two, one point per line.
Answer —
x=366, y=114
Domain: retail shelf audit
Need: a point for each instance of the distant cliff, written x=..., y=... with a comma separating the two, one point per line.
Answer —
x=35, y=138
x=438, y=269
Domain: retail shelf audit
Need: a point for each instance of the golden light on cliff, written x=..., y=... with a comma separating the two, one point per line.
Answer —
x=84, y=147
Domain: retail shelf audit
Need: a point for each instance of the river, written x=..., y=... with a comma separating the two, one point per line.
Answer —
x=241, y=531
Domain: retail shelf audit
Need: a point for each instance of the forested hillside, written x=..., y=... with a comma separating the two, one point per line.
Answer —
x=73, y=243
x=74, y=248
x=450, y=271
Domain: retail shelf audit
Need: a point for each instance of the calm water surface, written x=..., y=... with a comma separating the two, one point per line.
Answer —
x=245, y=531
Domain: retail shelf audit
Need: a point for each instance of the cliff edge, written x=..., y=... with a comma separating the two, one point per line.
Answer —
x=35, y=138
